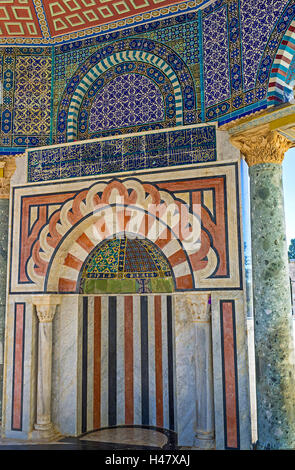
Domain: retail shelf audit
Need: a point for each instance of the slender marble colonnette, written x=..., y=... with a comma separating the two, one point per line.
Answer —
x=45, y=308
x=264, y=152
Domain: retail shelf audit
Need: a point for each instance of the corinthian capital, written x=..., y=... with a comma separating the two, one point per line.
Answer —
x=261, y=145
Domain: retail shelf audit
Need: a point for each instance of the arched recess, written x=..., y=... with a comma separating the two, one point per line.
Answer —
x=124, y=264
x=140, y=50
x=64, y=270
x=103, y=210
x=131, y=96
x=103, y=66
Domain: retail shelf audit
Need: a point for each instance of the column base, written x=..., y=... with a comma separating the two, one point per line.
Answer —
x=205, y=440
x=45, y=433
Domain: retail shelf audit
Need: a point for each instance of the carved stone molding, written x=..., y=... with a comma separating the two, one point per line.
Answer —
x=261, y=145
x=7, y=169
x=46, y=307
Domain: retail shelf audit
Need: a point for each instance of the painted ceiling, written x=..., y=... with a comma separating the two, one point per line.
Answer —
x=52, y=21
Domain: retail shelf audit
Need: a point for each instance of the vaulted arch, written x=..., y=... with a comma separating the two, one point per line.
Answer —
x=103, y=66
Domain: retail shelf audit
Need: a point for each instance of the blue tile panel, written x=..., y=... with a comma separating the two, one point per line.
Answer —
x=152, y=150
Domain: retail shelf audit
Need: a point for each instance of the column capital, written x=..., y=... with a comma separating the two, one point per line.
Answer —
x=46, y=306
x=7, y=169
x=199, y=307
x=261, y=145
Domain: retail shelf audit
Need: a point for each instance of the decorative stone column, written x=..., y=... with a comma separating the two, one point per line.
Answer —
x=201, y=312
x=45, y=308
x=264, y=151
x=7, y=168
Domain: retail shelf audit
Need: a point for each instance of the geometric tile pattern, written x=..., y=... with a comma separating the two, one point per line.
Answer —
x=124, y=258
x=66, y=16
x=217, y=79
x=18, y=19
x=93, y=76
x=57, y=21
x=25, y=74
x=32, y=78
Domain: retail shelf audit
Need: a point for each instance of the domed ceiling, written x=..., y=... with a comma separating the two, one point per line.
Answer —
x=55, y=21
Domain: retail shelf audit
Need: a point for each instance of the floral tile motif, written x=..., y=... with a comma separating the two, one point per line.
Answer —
x=215, y=51
x=172, y=42
x=257, y=20
x=221, y=58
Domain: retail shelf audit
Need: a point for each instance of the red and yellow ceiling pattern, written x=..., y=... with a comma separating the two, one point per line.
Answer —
x=18, y=18
x=55, y=18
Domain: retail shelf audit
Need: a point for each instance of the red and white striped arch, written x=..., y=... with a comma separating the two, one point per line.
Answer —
x=278, y=88
x=63, y=275
x=94, y=214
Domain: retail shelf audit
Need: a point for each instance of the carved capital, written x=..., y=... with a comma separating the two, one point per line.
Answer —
x=7, y=169
x=261, y=145
x=46, y=307
x=199, y=305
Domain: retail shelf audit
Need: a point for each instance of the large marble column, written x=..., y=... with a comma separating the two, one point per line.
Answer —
x=7, y=168
x=205, y=435
x=45, y=308
x=264, y=151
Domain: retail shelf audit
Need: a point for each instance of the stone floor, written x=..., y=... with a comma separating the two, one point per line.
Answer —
x=120, y=438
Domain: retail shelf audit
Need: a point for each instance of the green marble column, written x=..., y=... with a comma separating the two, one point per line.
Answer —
x=274, y=343
x=275, y=374
x=4, y=210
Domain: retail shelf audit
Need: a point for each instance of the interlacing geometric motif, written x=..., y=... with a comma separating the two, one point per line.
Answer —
x=32, y=95
x=25, y=108
x=94, y=215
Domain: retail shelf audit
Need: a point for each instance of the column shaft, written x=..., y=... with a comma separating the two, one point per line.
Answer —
x=274, y=345
x=264, y=151
x=45, y=307
x=44, y=375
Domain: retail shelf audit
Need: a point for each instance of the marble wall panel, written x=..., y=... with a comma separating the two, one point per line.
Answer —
x=231, y=372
